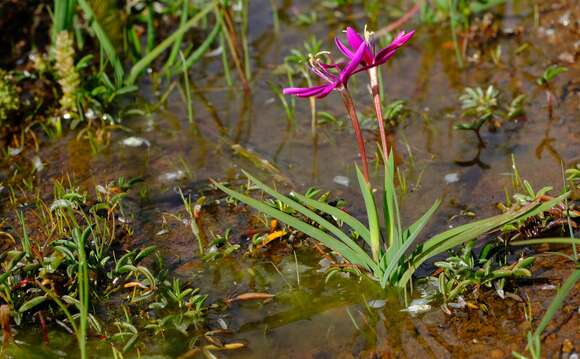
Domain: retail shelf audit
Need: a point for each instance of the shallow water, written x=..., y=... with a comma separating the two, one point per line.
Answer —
x=310, y=318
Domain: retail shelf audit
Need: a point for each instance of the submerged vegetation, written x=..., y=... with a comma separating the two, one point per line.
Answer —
x=166, y=192
x=78, y=270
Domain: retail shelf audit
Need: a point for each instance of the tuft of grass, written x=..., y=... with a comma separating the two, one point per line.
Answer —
x=142, y=64
x=104, y=42
x=63, y=16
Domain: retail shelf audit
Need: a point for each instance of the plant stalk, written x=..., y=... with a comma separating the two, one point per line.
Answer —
x=375, y=90
x=351, y=110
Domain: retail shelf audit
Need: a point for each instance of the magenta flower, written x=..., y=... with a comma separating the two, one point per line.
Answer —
x=371, y=58
x=327, y=72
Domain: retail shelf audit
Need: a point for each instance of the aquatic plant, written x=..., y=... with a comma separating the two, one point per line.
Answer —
x=516, y=107
x=534, y=346
x=68, y=77
x=464, y=271
x=9, y=99
x=477, y=102
x=194, y=212
x=370, y=61
x=483, y=106
x=390, y=262
x=78, y=269
x=220, y=247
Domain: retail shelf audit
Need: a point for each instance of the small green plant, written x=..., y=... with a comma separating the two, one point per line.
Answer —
x=394, y=111
x=573, y=174
x=440, y=10
x=478, y=102
x=480, y=105
x=293, y=66
x=516, y=107
x=194, y=212
x=220, y=247
x=550, y=73
x=306, y=19
x=483, y=106
x=465, y=272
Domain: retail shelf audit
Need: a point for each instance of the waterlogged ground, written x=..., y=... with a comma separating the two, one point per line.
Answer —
x=341, y=317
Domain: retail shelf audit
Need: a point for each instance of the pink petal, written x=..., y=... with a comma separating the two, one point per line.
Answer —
x=327, y=90
x=353, y=64
x=386, y=53
x=403, y=37
x=335, y=65
x=342, y=48
x=353, y=38
x=303, y=91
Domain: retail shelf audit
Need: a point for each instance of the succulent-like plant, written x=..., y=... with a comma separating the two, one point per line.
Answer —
x=65, y=67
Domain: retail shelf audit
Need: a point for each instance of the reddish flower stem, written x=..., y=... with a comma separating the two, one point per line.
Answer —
x=374, y=79
x=351, y=110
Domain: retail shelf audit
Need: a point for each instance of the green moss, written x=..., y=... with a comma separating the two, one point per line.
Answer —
x=9, y=99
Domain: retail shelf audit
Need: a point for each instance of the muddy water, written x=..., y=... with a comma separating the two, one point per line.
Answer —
x=311, y=318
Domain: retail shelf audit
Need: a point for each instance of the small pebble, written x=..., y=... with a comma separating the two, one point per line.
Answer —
x=377, y=303
x=135, y=142
x=37, y=164
x=341, y=180
x=172, y=176
x=567, y=57
x=452, y=178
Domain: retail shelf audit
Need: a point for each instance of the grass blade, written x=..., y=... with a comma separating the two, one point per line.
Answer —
x=527, y=242
x=177, y=44
x=373, y=217
x=327, y=240
x=391, y=206
x=142, y=64
x=64, y=11
x=456, y=236
x=352, y=222
x=558, y=301
x=201, y=50
x=104, y=41
x=313, y=216
x=394, y=256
